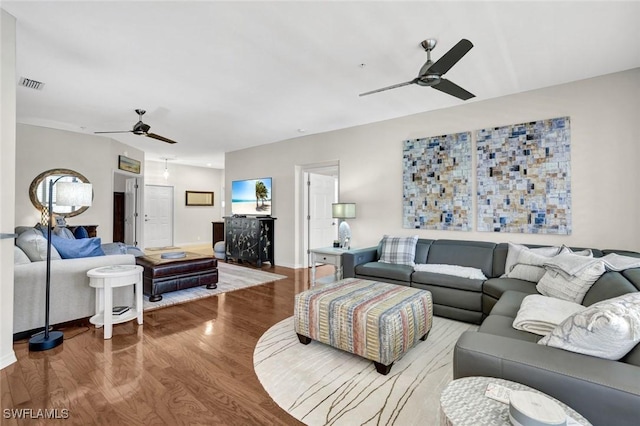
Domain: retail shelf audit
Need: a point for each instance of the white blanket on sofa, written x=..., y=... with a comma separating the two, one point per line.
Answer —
x=541, y=314
x=458, y=271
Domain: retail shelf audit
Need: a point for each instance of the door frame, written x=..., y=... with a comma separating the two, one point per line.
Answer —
x=301, y=241
x=139, y=202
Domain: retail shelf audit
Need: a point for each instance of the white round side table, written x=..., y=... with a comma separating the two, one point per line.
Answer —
x=463, y=403
x=104, y=280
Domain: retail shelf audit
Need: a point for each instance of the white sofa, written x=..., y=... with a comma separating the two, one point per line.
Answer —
x=71, y=297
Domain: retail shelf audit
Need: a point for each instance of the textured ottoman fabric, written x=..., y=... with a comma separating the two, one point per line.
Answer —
x=378, y=321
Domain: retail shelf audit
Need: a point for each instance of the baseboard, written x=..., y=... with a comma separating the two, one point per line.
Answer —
x=7, y=359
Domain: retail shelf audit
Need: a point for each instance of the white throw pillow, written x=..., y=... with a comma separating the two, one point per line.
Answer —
x=529, y=265
x=34, y=245
x=399, y=250
x=608, y=329
x=516, y=249
x=557, y=283
x=19, y=257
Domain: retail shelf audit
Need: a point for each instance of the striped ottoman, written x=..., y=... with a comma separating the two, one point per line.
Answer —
x=375, y=320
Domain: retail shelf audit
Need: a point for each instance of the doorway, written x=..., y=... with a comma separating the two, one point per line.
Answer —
x=158, y=216
x=321, y=189
x=127, y=202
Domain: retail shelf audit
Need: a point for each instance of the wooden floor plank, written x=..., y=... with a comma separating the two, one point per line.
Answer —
x=187, y=364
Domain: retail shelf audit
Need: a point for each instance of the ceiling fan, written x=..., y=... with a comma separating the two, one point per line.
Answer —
x=431, y=72
x=141, y=128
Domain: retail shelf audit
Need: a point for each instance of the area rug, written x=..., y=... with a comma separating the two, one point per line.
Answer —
x=230, y=278
x=320, y=385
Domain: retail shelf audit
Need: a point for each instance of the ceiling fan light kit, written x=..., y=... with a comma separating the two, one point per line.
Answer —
x=141, y=128
x=431, y=72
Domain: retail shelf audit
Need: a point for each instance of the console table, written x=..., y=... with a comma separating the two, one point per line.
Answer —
x=250, y=239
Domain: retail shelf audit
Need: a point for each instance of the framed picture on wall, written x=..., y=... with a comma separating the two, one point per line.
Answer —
x=128, y=164
x=198, y=198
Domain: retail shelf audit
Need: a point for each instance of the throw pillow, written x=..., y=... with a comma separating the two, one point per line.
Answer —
x=399, y=250
x=529, y=266
x=557, y=283
x=71, y=249
x=34, y=245
x=19, y=257
x=80, y=232
x=515, y=249
x=608, y=329
x=63, y=232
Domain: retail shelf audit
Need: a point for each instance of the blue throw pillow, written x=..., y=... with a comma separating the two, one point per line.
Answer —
x=80, y=232
x=71, y=249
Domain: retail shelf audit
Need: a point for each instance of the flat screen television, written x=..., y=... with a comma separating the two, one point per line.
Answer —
x=251, y=197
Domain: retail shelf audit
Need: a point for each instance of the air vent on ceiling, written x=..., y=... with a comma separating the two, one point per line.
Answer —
x=31, y=84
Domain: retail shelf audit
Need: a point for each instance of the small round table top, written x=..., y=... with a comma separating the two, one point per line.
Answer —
x=463, y=403
x=114, y=271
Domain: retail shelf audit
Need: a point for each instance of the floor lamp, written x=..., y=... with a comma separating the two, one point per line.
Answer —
x=344, y=211
x=67, y=194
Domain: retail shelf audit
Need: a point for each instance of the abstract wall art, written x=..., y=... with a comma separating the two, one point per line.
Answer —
x=524, y=178
x=437, y=191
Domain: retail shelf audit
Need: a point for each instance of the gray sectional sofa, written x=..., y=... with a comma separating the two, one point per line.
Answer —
x=605, y=392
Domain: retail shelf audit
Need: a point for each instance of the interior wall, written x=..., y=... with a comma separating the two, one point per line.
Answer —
x=96, y=157
x=192, y=224
x=604, y=155
x=7, y=185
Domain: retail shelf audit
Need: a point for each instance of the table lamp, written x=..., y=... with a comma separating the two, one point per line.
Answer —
x=67, y=194
x=344, y=211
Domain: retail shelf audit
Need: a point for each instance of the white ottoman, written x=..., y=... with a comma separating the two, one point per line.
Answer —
x=219, y=250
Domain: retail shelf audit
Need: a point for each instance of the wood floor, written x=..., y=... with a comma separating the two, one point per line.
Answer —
x=188, y=364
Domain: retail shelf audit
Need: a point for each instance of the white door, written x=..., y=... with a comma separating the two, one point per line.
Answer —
x=131, y=212
x=158, y=216
x=323, y=229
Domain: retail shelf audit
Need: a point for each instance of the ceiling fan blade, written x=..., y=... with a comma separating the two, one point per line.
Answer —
x=406, y=83
x=160, y=138
x=450, y=58
x=453, y=89
x=116, y=131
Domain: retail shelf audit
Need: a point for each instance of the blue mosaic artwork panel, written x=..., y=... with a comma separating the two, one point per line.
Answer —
x=524, y=178
x=437, y=190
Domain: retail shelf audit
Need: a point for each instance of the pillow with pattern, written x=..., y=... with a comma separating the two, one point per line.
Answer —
x=398, y=250
x=608, y=329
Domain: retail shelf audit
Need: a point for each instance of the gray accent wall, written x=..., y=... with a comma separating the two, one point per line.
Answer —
x=605, y=149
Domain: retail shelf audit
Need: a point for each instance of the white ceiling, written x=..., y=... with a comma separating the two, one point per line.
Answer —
x=222, y=76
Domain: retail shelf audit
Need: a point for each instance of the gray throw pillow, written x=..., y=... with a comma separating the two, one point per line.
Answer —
x=399, y=250
x=34, y=245
x=516, y=249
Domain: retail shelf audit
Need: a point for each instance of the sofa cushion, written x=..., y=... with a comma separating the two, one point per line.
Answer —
x=557, y=283
x=608, y=329
x=509, y=304
x=495, y=287
x=633, y=275
x=34, y=245
x=398, y=250
x=474, y=254
x=611, y=284
x=83, y=247
x=503, y=326
x=385, y=271
x=444, y=280
x=19, y=257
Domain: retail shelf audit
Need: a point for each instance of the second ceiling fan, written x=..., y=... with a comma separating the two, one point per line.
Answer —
x=431, y=72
